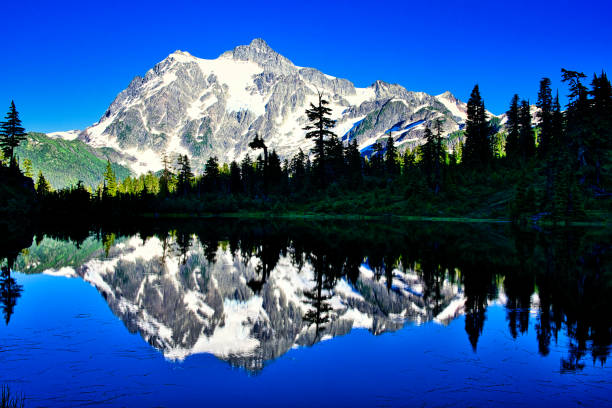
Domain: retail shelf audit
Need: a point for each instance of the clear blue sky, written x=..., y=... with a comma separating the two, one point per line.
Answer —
x=63, y=63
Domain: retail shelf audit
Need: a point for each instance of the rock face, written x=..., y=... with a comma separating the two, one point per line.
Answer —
x=200, y=298
x=202, y=107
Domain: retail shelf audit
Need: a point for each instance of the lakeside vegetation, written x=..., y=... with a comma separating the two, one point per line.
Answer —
x=556, y=170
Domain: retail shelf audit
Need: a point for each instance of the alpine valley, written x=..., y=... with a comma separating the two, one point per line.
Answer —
x=202, y=108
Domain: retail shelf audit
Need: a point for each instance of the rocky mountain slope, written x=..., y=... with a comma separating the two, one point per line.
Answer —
x=203, y=107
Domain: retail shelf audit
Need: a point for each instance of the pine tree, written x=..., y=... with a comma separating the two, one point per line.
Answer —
x=377, y=158
x=320, y=130
x=12, y=133
x=600, y=141
x=247, y=173
x=274, y=172
x=235, y=180
x=526, y=138
x=545, y=117
x=165, y=178
x=110, y=180
x=297, y=170
x=42, y=185
x=577, y=117
x=185, y=175
x=27, y=168
x=477, y=151
x=391, y=154
x=211, y=173
x=354, y=164
x=513, y=126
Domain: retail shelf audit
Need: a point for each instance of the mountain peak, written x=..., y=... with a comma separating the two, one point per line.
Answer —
x=184, y=53
x=260, y=45
x=448, y=95
x=260, y=52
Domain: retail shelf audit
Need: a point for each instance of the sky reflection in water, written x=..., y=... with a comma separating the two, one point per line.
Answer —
x=463, y=315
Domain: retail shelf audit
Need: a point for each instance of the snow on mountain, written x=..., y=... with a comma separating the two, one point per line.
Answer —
x=67, y=135
x=202, y=107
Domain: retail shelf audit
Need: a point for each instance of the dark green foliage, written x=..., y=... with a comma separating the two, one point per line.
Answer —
x=184, y=175
x=477, y=152
x=320, y=129
x=391, y=155
x=110, y=181
x=42, y=185
x=526, y=137
x=545, y=118
x=64, y=162
x=513, y=126
x=12, y=133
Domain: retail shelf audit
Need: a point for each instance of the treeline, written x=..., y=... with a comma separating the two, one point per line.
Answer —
x=555, y=166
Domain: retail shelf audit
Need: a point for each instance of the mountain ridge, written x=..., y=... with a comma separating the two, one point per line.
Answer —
x=199, y=107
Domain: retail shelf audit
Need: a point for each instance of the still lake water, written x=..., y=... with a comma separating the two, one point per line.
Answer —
x=249, y=313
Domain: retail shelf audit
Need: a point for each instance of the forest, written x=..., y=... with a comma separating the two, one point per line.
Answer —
x=551, y=167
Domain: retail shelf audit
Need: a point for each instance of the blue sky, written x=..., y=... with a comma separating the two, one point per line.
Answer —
x=63, y=63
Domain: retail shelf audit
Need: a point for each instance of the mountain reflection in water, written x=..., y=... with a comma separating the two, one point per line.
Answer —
x=249, y=291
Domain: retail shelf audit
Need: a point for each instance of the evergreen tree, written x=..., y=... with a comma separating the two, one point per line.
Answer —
x=211, y=173
x=165, y=178
x=12, y=133
x=377, y=158
x=334, y=152
x=354, y=164
x=432, y=154
x=477, y=151
x=27, y=168
x=274, y=172
x=298, y=169
x=248, y=174
x=545, y=117
x=599, y=142
x=110, y=180
x=42, y=185
x=319, y=129
x=526, y=138
x=185, y=175
x=235, y=180
x=577, y=117
x=513, y=126
x=391, y=154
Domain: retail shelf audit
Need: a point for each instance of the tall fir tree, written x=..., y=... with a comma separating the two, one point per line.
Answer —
x=526, y=137
x=477, y=151
x=12, y=133
x=110, y=180
x=354, y=164
x=545, y=118
x=166, y=177
x=42, y=185
x=599, y=142
x=513, y=126
x=185, y=175
x=320, y=129
x=391, y=155
x=27, y=168
x=235, y=180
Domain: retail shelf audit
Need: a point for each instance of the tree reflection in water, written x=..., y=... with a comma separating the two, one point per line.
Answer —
x=383, y=273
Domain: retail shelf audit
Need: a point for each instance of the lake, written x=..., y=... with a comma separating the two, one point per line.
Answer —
x=230, y=312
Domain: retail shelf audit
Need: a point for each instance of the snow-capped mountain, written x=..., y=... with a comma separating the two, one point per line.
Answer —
x=203, y=107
